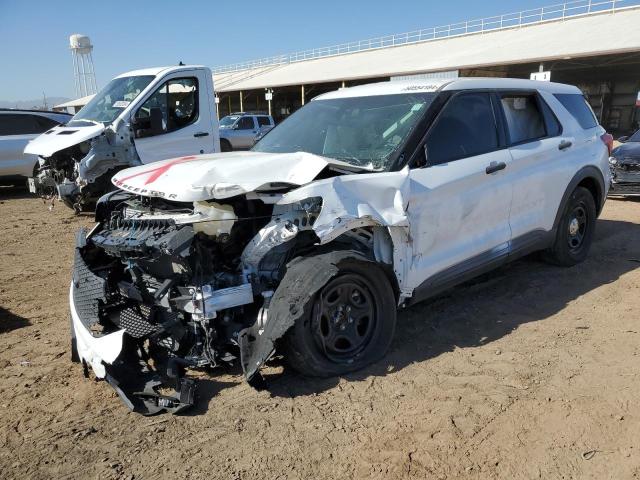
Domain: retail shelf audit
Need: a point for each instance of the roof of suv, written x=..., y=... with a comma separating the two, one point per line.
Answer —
x=437, y=85
x=241, y=114
x=41, y=112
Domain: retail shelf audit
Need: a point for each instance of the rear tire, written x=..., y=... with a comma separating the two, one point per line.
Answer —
x=575, y=230
x=347, y=325
x=225, y=146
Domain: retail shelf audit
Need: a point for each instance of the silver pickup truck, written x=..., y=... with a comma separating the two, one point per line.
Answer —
x=239, y=131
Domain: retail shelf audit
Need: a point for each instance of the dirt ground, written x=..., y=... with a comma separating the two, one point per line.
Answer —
x=529, y=372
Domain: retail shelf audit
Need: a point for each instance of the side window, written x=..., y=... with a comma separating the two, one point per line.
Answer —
x=19, y=124
x=176, y=101
x=245, y=123
x=524, y=118
x=465, y=127
x=264, y=122
x=551, y=122
x=578, y=107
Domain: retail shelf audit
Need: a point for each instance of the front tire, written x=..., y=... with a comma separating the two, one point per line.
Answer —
x=225, y=146
x=575, y=230
x=347, y=325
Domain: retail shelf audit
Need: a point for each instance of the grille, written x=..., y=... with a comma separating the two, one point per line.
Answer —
x=137, y=321
x=88, y=291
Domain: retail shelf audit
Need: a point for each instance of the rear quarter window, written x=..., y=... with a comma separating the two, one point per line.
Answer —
x=579, y=109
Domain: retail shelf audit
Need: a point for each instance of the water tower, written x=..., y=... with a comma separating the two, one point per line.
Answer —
x=83, y=72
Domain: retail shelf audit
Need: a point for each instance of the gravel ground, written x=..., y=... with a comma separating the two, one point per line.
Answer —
x=529, y=372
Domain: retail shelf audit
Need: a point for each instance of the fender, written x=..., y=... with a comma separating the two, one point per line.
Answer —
x=588, y=172
x=304, y=277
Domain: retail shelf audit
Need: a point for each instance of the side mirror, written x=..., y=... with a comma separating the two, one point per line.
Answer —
x=155, y=120
x=623, y=139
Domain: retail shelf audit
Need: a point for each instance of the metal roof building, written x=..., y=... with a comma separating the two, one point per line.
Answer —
x=541, y=40
x=594, y=44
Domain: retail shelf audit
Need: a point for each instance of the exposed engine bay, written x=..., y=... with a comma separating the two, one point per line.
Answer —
x=186, y=283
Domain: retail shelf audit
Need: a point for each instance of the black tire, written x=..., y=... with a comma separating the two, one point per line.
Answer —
x=329, y=340
x=575, y=230
x=225, y=146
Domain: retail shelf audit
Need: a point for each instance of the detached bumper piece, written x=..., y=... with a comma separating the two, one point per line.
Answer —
x=115, y=349
x=624, y=189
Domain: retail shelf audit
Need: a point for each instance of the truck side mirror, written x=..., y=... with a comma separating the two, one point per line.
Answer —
x=156, y=121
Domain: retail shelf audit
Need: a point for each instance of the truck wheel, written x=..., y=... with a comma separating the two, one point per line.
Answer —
x=575, y=230
x=225, y=146
x=347, y=325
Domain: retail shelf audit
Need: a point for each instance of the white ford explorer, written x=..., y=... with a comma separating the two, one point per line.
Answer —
x=365, y=200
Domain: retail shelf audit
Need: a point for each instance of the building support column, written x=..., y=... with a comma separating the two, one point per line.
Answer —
x=241, y=107
x=302, y=94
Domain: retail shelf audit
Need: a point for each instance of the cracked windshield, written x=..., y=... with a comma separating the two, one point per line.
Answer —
x=362, y=131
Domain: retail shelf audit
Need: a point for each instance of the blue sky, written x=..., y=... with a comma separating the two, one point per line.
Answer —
x=136, y=33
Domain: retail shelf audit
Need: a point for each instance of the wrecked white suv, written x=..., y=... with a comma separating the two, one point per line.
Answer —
x=365, y=200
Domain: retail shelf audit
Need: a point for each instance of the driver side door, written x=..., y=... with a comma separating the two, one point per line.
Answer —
x=460, y=194
x=186, y=127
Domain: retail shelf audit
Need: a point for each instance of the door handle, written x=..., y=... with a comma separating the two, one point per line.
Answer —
x=495, y=167
x=201, y=134
x=564, y=145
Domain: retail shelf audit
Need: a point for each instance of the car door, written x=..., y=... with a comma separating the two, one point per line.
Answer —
x=460, y=196
x=246, y=131
x=182, y=102
x=16, y=129
x=540, y=163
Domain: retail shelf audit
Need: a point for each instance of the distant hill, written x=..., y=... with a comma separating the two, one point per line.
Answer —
x=33, y=104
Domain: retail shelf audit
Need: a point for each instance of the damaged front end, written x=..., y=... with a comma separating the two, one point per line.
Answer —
x=625, y=176
x=161, y=287
x=76, y=163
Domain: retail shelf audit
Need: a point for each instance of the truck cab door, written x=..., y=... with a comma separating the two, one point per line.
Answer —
x=176, y=119
x=245, y=132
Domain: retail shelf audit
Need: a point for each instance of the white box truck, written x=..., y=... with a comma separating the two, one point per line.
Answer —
x=138, y=118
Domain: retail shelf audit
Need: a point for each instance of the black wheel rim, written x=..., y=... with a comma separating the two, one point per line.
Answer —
x=577, y=227
x=344, y=318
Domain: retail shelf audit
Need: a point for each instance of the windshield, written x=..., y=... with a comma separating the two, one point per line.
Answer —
x=229, y=120
x=111, y=100
x=363, y=131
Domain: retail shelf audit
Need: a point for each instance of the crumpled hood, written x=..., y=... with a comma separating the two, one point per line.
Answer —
x=219, y=175
x=61, y=137
x=631, y=149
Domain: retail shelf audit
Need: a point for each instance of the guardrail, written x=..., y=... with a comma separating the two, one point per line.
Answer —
x=560, y=11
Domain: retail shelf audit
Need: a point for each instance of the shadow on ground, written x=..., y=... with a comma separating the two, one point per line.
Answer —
x=489, y=307
x=9, y=321
x=14, y=191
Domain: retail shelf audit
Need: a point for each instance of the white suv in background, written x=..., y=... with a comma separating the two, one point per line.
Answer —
x=365, y=200
x=17, y=128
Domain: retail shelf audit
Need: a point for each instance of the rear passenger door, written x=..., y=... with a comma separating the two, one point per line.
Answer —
x=540, y=162
x=460, y=195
